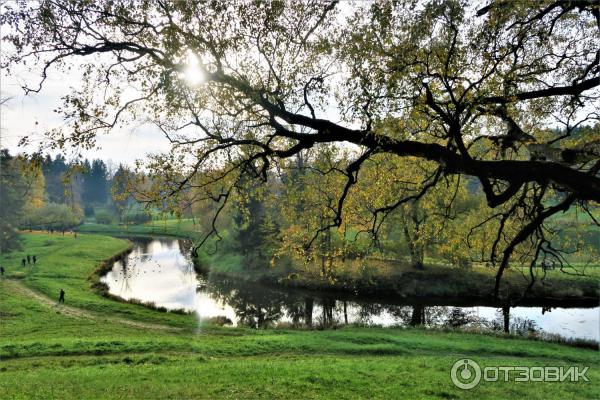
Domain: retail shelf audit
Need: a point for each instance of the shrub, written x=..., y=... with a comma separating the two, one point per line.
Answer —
x=52, y=216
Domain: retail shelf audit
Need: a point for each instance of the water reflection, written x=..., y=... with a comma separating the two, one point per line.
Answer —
x=161, y=271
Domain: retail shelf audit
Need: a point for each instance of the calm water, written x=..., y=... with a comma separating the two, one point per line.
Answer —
x=159, y=270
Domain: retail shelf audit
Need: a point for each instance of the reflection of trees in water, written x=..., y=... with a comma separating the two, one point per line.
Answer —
x=185, y=247
x=327, y=319
x=457, y=317
x=126, y=272
x=365, y=311
x=143, y=244
x=259, y=307
x=515, y=325
x=252, y=305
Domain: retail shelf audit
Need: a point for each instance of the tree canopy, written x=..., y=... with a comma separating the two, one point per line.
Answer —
x=498, y=93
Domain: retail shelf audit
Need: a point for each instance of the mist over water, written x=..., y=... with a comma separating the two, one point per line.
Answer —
x=159, y=270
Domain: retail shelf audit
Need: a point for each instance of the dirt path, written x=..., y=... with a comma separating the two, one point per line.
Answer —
x=75, y=312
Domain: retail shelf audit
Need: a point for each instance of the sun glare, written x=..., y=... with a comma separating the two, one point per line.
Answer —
x=193, y=72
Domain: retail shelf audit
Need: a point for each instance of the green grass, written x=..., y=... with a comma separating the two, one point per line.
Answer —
x=47, y=352
x=167, y=227
x=68, y=262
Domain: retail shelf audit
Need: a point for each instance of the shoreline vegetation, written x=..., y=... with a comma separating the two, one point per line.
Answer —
x=133, y=351
x=393, y=280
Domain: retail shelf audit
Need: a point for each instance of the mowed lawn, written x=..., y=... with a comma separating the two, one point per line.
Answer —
x=96, y=348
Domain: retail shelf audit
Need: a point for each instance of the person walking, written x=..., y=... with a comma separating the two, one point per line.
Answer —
x=23, y=261
x=34, y=260
x=1, y=270
x=61, y=296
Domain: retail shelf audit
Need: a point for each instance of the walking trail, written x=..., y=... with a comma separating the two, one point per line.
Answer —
x=75, y=312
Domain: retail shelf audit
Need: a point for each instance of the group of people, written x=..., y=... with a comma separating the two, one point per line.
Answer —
x=29, y=260
x=24, y=261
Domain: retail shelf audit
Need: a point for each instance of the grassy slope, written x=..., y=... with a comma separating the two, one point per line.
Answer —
x=48, y=354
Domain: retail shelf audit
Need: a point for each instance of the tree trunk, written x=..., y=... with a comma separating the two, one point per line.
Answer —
x=415, y=247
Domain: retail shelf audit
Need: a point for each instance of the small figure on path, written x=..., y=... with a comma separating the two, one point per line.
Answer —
x=1, y=270
x=28, y=259
x=34, y=260
x=23, y=261
x=61, y=296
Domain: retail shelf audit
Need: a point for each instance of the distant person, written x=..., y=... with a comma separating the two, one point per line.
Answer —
x=34, y=260
x=61, y=296
x=28, y=259
x=23, y=261
x=1, y=270
x=75, y=235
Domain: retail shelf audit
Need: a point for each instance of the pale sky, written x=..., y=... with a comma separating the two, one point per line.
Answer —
x=19, y=116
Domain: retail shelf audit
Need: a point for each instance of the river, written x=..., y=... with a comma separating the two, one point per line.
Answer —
x=159, y=270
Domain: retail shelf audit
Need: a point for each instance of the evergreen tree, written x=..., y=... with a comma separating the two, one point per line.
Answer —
x=95, y=184
x=54, y=174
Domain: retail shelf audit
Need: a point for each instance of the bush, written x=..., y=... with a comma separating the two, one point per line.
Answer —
x=104, y=217
x=52, y=216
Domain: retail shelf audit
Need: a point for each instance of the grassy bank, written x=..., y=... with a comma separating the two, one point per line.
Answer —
x=69, y=262
x=389, y=278
x=97, y=348
x=184, y=228
x=398, y=280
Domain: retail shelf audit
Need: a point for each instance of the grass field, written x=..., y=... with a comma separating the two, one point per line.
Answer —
x=95, y=348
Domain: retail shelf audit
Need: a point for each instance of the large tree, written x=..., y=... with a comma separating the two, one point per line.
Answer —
x=493, y=93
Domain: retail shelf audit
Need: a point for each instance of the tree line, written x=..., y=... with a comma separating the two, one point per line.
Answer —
x=51, y=193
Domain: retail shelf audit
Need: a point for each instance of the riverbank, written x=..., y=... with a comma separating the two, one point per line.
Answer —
x=97, y=348
x=434, y=285
x=183, y=228
x=393, y=279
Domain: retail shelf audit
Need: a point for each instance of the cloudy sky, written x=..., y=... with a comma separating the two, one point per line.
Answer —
x=33, y=114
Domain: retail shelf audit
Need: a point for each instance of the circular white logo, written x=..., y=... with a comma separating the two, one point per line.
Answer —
x=465, y=374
